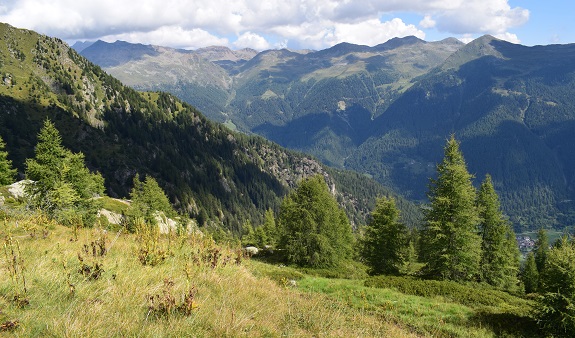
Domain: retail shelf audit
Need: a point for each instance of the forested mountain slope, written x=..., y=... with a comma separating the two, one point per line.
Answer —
x=209, y=172
x=386, y=110
x=512, y=108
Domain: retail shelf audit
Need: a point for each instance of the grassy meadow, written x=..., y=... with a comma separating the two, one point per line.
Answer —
x=62, y=282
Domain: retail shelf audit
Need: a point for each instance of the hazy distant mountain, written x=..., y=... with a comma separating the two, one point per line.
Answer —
x=81, y=45
x=387, y=110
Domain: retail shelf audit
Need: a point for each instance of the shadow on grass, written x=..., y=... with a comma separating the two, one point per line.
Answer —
x=507, y=324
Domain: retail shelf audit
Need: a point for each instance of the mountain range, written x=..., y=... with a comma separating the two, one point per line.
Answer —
x=386, y=111
x=220, y=177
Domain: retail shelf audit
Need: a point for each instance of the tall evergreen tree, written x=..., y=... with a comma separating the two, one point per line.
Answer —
x=269, y=228
x=529, y=274
x=556, y=307
x=499, y=262
x=385, y=241
x=61, y=185
x=450, y=244
x=541, y=249
x=314, y=230
x=6, y=171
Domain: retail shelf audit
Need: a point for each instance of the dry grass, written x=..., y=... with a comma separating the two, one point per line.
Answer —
x=200, y=290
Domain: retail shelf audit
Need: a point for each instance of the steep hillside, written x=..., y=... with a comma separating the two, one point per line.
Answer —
x=210, y=172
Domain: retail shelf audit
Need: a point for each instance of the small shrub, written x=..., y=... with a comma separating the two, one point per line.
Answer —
x=148, y=237
x=91, y=265
x=164, y=305
x=9, y=325
x=16, y=269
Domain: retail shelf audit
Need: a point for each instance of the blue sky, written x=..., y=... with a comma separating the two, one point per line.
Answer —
x=313, y=24
x=549, y=22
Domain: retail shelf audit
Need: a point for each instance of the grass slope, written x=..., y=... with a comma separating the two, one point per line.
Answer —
x=131, y=299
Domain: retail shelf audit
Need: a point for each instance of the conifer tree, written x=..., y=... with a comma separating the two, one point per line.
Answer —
x=556, y=307
x=269, y=228
x=529, y=274
x=61, y=185
x=148, y=198
x=499, y=262
x=315, y=231
x=541, y=249
x=6, y=171
x=385, y=241
x=450, y=244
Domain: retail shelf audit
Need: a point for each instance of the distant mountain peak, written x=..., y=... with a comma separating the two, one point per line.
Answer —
x=223, y=53
x=399, y=42
x=480, y=47
x=117, y=53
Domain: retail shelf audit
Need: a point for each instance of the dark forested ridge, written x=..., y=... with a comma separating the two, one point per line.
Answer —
x=211, y=173
x=386, y=111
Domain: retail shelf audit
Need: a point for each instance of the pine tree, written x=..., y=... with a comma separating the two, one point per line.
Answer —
x=314, y=230
x=450, y=245
x=529, y=274
x=541, y=249
x=498, y=257
x=385, y=241
x=61, y=185
x=6, y=171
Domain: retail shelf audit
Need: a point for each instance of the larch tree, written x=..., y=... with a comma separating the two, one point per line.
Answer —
x=450, y=244
x=148, y=200
x=385, y=241
x=269, y=227
x=7, y=173
x=499, y=252
x=314, y=230
x=61, y=184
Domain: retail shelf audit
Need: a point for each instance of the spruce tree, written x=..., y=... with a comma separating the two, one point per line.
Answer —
x=541, y=249
x=450, y=244
x=556, y=307
x=385, y=240
x=315, y=231
x=61, y=185
x=529, y=274
x=498, y=257
x=6, y=171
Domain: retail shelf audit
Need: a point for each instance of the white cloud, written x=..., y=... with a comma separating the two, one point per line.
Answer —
x=306, y=23
x=251, y=40
x=427, y=22
x=373, y=32
x=508, y=37
x=481, y=16
x=171, y=36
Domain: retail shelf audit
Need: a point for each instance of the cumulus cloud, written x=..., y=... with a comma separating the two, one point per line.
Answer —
x=427, y=22
x=171, y=36
x=251, y=40
x=373, y=32
x=307, y=23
